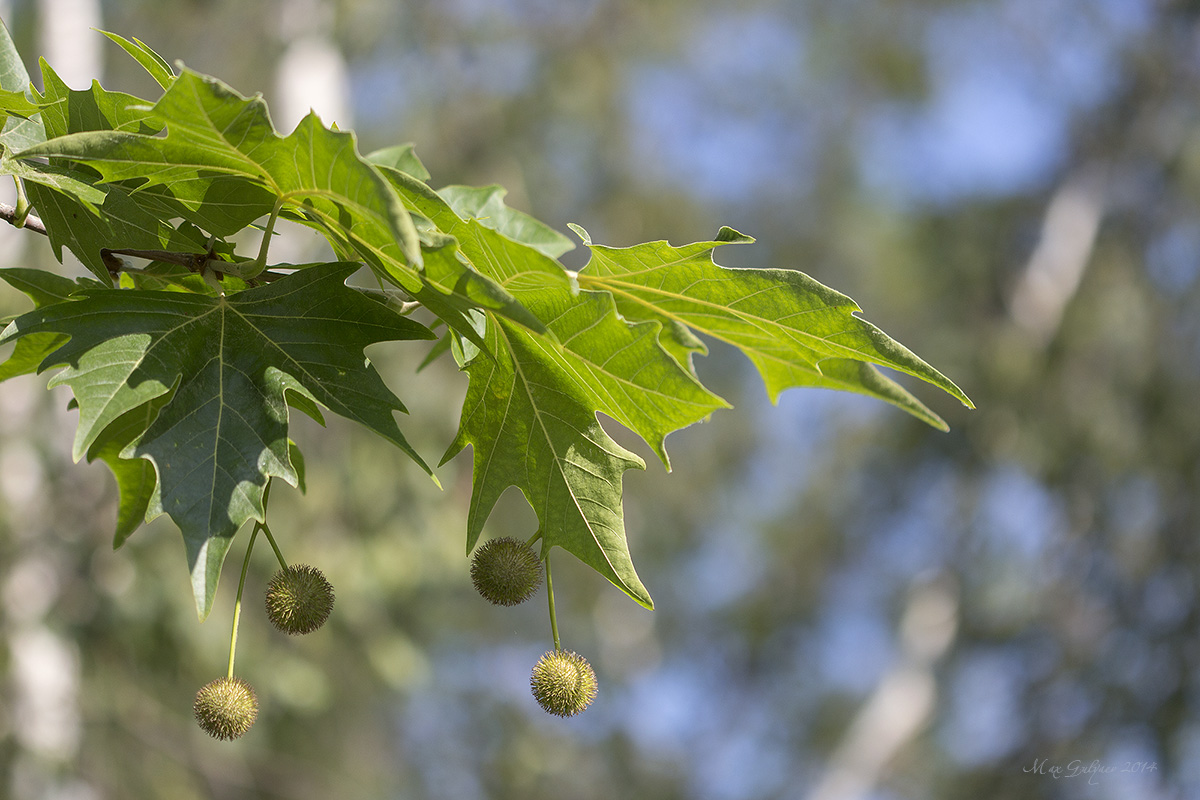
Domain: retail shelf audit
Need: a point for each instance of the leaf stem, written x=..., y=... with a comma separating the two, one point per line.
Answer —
x=237, y=606
x=550, y=595
x=266, y=529
x=260, y=263
x=21, y=211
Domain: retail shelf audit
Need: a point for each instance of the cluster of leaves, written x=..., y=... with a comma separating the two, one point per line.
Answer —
x=185, y=371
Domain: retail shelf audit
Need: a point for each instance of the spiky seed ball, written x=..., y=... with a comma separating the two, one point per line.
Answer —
x=506, y=571
x=563, y=683
x=299, y=599
x=226, y=708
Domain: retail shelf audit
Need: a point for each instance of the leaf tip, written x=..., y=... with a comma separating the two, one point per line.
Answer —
x=728, y=235
x=456, y=447
x=583, y=235
x=645, y=601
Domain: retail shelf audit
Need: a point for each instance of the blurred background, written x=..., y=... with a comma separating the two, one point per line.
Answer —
x=849, y=604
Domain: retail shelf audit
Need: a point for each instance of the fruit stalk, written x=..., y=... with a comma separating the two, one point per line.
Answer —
x=550, y=595
x=237, y=606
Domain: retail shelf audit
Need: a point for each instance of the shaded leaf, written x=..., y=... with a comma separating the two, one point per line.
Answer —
x=234, y=359
x=450, y=288
x=454, y=291
x=88, y=219
x=297, y=458
x=221, y=154
x=44, y=288
x=137, y=482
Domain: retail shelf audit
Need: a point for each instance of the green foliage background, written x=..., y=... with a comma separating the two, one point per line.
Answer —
x=1060, y=517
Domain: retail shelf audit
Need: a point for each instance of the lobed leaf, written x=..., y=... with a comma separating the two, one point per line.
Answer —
x=531, y=409
x=529, y=429
x=214, y=132
x=229, y=364
x=797, y=331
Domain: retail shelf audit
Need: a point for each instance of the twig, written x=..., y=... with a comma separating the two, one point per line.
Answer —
x=197, y=262
x=193, y=261
x=9, y=214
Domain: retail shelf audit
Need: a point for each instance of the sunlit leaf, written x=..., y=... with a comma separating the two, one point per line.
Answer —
x=797, y=331
x=151, y=61
x=16, y=132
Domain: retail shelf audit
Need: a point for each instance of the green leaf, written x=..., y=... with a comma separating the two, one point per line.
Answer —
x=17, y=103
x=70, y=110
x=439, y=348
x=27, y=356
x=229, y=203
x=137, y=482
x=88, y=219
x=44, y=288
x=402, y=157
x=529, y=430
x=221, y=156
x=13, y=75
x=618, y=364
x=454, y=291
x=151, y=61
x=80, y=215
x=15, y=133
x=797, y=331
x=449, y=287
x=234, y=360
x=298, y=464
x=486, y=204
x=212, y=131
x=530, y=412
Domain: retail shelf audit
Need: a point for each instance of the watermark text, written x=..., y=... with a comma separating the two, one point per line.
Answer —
x=1092, y=770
